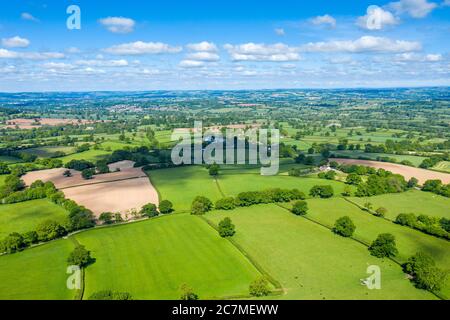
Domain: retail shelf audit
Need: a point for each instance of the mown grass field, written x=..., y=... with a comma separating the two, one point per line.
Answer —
x=152, y=259
x=443, y=166
x=2, y=179
x=49, y=151
x=90, y=155
x=36, y=274
x=309, y=260
x=368, y=227
x=181, y=185
x=415, y=160
x=25, y=216
x=413, y=201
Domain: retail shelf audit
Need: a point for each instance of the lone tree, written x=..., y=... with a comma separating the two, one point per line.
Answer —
x=384, y=246
x=187, y=293
x=259, y=288
x=322, y=191
x=87, y=174
x=80, y=257
x=424, y=272
x=67, y=173
x=149, y=210
x=226, y=228
x=201, y=205
x=165, y=207
x=344, y=226
x=300, y=208
x=214, y=170
x=381, y=212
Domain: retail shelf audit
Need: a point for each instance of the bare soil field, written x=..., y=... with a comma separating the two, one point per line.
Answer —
x=408, y=172
x=121, y=191
x=39, y=122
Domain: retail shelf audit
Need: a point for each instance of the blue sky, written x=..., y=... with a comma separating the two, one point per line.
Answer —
x=204, y=44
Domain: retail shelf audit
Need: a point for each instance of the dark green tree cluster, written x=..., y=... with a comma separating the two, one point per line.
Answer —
x=300, y=208
x=381, y=183
x=226, y=228
x=437, y=187
x=79, y=165
x=344, y=226
x=429, y=225
x=328, y=175
x=110, y=295
x=201, y=205
x=259, y=287
x=80, y=256
x=384, y=246
x=322, y=192
x=425, y=274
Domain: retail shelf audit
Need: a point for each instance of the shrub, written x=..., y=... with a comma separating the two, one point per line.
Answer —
x=228, y=203
x=344, y=226
x=187, y=293
x=300, y=208
x=259, y=288
x=406, y=219
x=79, y=165
x=50, y=230
x=424, y=272
x=87, y=174
x=110, y=295
x=12, y=243
x=322, y=191
x=165, y=207
x=381, y=212
x=226, y=228
x=329, y=175
x=201, y=205
x=106, y=218
x=384, y=246
x=149, y=210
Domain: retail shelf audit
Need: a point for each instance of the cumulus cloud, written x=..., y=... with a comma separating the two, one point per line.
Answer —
x=102, y=63
x=281, y=32
x=8, y=54
x=191, y=64
x=363, y=44
x=202, y=46
x=325, y=19
x=376, y=19
x=57, y=66
x=203, y=56
x=29, y=17
x=15, y=42
x=414, y=8
x=261, y=52
x=413, y=57
x=118, y=24
x=140, y=48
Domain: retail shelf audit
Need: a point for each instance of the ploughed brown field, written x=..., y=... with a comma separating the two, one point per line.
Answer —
x=408, y=172
x=39, y=122
x=118, y=192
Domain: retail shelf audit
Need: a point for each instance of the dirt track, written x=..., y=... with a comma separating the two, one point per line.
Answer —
x=408, y=172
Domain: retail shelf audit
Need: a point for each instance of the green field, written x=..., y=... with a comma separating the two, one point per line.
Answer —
x=414, y=201
x=443, y=166
x=49, y=151
x=36, y=274
x=152, y=259
x=415, y=160
x=368, y=227
x=2, y=179
x=181, y=185
x=25, y=216
x=309, y=260
x=9, y=160
x=90, y=155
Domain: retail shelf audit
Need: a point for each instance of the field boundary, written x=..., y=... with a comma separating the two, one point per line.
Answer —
x=102, y=182
x=80, y=293
x=279, y=290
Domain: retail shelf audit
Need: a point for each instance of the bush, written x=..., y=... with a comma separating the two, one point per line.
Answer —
x=165, y=207
x=80, y=257
x=344, y=226
x=87, y=174
x=228, y=203
x=226, y=228
x=50, y=230
x=214, y=170
x=187, y=293
x=106, y=218
x=79, y=165
x=384, y=246
x=381, y=212
x=300, y=208
x=406, y=219
x=110, y=295
x=329, y=175
x=353, y=179
x=201, y=205
x=322, y=191
x=259, y=288
x=12, y=243
x=149, y=210
x=424, y=272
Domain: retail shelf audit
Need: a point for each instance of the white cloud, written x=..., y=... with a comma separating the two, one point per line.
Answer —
x=433, y=57
x=281, y=32
x=29, y=17
x=15, y=42
x=363, y=44
x=73, y=50
x=203, y=56
x=118, y=24
x=8, y=54
x=57, y=66
x=261, y=52
x=102, y=63
x=140, y=48
x=446, y=3
x=414, y=8
x=8, y=69
x=202, y=46
x=191, y=64
x=326, y=19
x=413, y=57
x=376, y=19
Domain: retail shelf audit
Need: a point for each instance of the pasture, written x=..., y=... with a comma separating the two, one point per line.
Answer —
x=36, y=274
x=443, y=166
x=152, y=259
x=25, y=216
x=309, y=260
x=413, y=201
